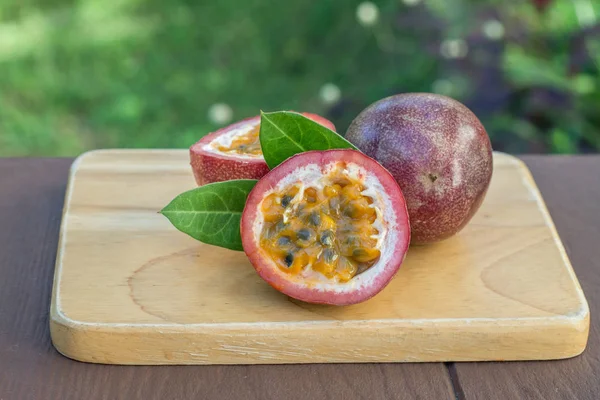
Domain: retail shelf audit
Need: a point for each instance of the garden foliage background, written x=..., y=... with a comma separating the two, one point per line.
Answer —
x=83, y=74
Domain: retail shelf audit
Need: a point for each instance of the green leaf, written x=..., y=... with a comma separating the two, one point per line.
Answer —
x=285, y=133
x=211, y=213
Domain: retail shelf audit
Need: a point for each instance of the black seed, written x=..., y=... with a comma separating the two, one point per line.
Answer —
x=362, y=255
x=315, y=219
x=285, y=200
x=349, y=211
x=281, y=226
x=326, y=238
x=303, y=234
x=328, y=255
x=352, y=240
x=289, y=259
x=359, y=253
x=284, y=241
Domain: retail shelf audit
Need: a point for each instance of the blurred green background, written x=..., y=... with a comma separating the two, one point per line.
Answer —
x=84, y=74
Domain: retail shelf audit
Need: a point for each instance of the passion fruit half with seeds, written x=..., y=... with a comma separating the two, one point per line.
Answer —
x=234, y=152
x=326, y=227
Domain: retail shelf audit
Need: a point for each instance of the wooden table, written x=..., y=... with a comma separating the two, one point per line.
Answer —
x=31, y=199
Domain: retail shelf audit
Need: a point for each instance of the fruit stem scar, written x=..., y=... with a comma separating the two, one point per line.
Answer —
x=432, y=177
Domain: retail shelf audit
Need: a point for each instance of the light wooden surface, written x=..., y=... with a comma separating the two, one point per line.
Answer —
x=130, y=289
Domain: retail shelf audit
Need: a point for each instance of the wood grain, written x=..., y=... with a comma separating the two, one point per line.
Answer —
x=31, y=200
x=30, y=368
x=130, y=289
x=572, y=190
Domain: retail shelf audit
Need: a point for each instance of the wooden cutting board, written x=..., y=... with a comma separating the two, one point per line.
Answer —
x=131, y=289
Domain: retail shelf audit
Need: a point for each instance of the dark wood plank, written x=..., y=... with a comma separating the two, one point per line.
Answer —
x=31, y=199
x=571, y=188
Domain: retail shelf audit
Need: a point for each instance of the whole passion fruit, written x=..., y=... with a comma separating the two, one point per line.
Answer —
x=328, y=227
x=234, y=152
x=439, y=153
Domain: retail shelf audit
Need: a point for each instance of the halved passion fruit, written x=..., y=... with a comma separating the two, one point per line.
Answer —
x=326, y=227
x=234, y=152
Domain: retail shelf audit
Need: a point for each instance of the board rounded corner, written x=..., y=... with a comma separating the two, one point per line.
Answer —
x=577, y=331
x=67, y=336
x=581, y=324
x=85, y=155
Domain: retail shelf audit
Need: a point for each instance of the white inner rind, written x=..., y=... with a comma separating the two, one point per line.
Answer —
x=313, y=175
x=227, y=139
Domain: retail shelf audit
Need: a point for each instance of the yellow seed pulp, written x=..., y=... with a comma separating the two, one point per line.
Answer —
x=248, y=143
x=328, y=230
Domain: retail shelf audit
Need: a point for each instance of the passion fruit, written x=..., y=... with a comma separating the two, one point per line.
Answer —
x=439, y=153
x=327, y=227
x=234, y=152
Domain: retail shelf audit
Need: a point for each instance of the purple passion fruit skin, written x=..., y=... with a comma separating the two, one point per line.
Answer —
x=439, y=153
